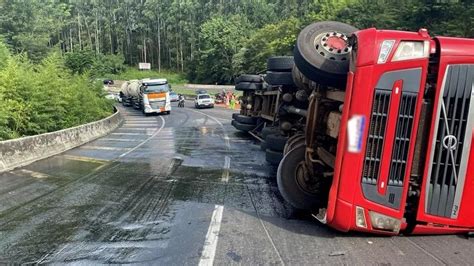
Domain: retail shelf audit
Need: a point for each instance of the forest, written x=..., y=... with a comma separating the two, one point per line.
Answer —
x=52, y=52
x=210, y=41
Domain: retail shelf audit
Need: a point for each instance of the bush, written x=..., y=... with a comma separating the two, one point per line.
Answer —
x=84, y=61
x=36, y=99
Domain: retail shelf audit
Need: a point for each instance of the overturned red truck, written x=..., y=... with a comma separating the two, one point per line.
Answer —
x=402, y=159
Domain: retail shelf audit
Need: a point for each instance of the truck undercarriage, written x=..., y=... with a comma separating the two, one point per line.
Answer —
x=377, y=128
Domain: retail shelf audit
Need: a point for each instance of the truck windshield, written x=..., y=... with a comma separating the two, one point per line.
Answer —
x=157, y=88
x=204, y=96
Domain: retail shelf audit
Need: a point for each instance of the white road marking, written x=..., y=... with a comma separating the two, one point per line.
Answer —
x=135, y=128
x=210, y=245
x=132, y=134
x=225, y=173
x=146, y=140
x=105, y=148
x=125, y=140
x=34, y=174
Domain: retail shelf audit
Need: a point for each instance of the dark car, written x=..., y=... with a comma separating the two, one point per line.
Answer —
x=201, y=91
x=108, y=82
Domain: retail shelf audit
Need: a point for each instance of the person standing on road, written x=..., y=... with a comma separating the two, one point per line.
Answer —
x=232, y=102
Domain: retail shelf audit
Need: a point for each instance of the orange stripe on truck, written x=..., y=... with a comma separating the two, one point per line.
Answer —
x=156, y=95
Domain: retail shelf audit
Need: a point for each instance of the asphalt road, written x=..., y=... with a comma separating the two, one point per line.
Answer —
x=185, y=188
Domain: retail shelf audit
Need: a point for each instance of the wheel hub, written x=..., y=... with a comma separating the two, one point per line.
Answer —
x=304, y=180
x=333, y=45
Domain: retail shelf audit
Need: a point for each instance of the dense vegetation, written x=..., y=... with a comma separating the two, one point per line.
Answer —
x=210, y=40
x=58, y=46
x=45, y=96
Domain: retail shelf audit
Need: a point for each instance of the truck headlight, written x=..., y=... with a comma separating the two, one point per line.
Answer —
x=360, y=217
x=412, y=50
x=384, y=222
x=385, y=50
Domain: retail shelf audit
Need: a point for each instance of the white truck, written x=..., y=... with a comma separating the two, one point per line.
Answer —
x=148, y=95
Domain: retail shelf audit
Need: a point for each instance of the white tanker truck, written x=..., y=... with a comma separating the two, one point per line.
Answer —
x=148, y=95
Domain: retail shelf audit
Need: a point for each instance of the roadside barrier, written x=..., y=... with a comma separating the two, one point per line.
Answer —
x=22, y=151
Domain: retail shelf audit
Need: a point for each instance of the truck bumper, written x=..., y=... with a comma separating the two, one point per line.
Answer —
x=149, y=110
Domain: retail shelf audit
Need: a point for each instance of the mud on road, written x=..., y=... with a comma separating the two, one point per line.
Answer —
x=180, y=189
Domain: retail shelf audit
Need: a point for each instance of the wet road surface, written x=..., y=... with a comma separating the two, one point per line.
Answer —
x=180, y=189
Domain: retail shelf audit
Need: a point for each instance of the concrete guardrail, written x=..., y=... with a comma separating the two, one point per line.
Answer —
x=20, y=152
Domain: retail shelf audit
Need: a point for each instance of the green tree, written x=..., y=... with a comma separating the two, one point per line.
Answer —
x=220, y=40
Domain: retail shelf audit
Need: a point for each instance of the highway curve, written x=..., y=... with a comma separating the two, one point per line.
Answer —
x=186, y=188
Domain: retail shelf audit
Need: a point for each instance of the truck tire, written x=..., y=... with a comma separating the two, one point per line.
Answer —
x=280, y=63
x=246, y=119
x=294, y=141
x=276, y=142
x=242, y=127
x=248, y=78
x=289, y=184
x=234, y=115
x=322, y=52
x=263, y=145
x=273, y=157
x=279, y=78
x=245, y=86
x=269, y=130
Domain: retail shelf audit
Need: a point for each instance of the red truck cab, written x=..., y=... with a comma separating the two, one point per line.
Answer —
x=404, y=154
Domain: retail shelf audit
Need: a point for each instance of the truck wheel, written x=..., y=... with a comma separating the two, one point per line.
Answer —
x=248, y=78
x=245, y=86
x=246, y=119
x=276, y=142
x=269, y=130
x=293, y=183
x=234, y=115
x=279, y=78
x=294, y=141
x=273, y=157
x=280, y=63
x=322, y=52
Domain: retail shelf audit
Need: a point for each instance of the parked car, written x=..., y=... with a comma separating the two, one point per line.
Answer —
x=204, y=100
x=201, y=91
x=108, y=82
x=174, y=96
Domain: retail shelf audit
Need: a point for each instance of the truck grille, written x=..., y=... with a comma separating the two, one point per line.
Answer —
x=157, y=105
x=402, y=139
x=448, y=159
x=388, y=143
x=378, y=123
x=375, y=141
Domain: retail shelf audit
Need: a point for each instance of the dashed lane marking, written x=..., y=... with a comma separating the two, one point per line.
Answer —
x=105, y=148
x=225, y=173
x=132, y=134
x=210, y=245
x=124, y=140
